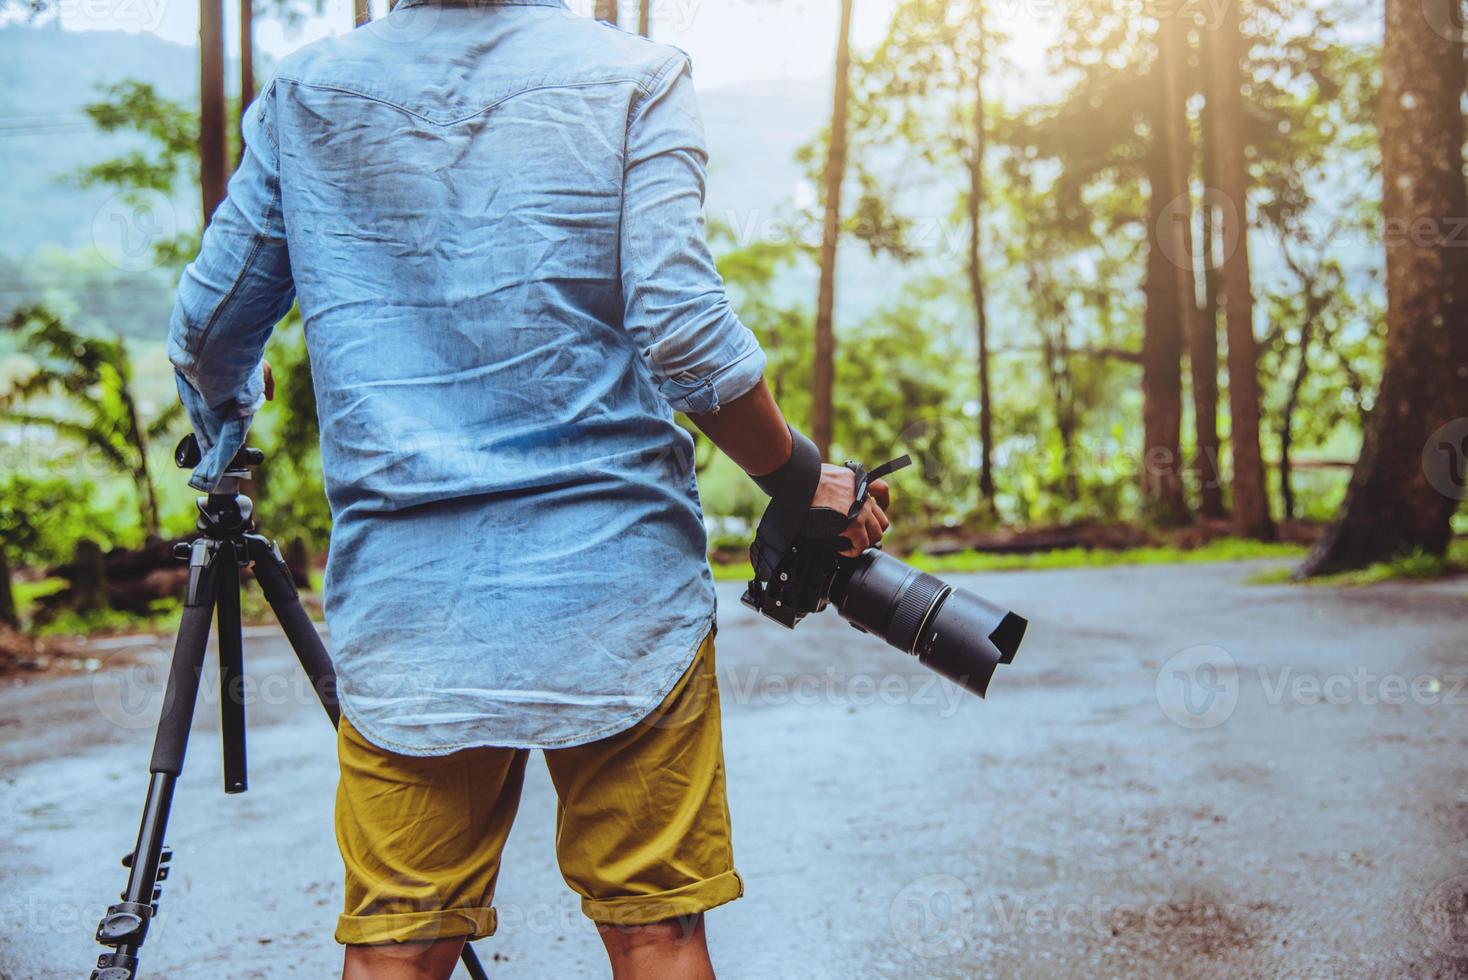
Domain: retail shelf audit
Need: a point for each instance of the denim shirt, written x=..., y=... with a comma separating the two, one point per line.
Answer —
x=490, y=214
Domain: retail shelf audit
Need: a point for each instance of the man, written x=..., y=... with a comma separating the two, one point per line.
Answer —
x=490, y=215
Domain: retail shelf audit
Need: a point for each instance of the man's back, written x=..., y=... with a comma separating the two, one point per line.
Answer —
x=486, y=210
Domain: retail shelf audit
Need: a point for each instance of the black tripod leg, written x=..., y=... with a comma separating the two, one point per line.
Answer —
x=125, y=925
x=280, y=591
x=231, y=674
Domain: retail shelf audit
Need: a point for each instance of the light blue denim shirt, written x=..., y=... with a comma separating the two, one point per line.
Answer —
x=491, y=215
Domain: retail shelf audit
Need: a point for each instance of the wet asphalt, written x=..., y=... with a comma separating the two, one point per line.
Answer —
x=1182, y=775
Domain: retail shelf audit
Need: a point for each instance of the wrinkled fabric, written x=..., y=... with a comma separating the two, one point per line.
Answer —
x=490, y=215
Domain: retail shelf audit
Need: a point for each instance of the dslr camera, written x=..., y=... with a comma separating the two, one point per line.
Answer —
x=799, y=570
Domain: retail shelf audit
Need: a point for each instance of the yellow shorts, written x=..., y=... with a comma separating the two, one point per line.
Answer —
x=642, y=824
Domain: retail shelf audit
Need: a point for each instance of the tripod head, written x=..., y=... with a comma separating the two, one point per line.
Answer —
x=225, y=512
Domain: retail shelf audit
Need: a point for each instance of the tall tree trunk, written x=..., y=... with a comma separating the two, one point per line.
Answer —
x=644, y=18
x=606, y=10
x=1287, y=416
x=1408, y=481
x=247, y=64
x=9, y=616
x=1314, y=307
x=823, y=375
x=1162, y=394
x=1162, y=326
x=1177, y=137
x=361, y=12
x=1203, y=339
x=1250, y=497
x=213, y=152
x=976, y=276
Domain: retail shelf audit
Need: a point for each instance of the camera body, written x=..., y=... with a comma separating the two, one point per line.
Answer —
x=949, y=630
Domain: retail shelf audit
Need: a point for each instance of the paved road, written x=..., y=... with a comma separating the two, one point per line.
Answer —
x=1182, y=775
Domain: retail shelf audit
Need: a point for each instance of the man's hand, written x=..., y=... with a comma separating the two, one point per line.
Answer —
x=837, y=491
x=269, y=380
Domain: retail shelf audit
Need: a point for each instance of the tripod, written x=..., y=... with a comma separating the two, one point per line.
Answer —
x=226, y=544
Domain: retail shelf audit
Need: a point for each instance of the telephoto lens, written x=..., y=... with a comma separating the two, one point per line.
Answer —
x=958, y=634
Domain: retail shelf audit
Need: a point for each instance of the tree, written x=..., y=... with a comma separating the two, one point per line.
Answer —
x=96, y=375
x=213, y=152
x=1404, y=489
x=247, y=62
x=823, y=373
x=1171, y=297
x=606, y=10
x=924, y=88
x=8, y=614
x=644, y=18
x=1228, y=138
x=1203, y=346
x=974, y=158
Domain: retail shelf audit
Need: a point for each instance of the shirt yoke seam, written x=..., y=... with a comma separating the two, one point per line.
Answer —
x=384, y=100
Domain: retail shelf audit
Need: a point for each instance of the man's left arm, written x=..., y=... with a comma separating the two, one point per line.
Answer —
x=229, y=300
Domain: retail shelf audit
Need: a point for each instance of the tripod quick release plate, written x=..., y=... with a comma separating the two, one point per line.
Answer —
x=187, y=455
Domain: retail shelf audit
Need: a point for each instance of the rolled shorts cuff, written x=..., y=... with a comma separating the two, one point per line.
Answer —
x=642, y=910
x=409, y=927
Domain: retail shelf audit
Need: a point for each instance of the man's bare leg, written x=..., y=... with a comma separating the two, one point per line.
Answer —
x=403, y=961
x=672, y=950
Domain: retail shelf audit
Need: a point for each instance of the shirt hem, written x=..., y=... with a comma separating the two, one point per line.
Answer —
x=620, y=724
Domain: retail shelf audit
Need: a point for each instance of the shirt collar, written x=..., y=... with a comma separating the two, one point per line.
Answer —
x=479, y=3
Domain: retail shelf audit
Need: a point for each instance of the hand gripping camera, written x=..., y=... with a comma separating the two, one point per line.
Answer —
x=799, y=570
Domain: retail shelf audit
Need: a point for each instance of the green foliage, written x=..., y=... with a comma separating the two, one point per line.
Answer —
x=1218, y=550
x=1419, y=566
x=43, y=517
x=94, y=376
x=170, y=128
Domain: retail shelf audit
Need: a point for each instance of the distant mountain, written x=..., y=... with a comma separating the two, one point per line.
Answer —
x=47, y=75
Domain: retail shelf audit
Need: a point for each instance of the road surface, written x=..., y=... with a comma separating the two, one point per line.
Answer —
x=1183, y=775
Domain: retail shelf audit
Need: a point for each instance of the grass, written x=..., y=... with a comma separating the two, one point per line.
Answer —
x=163, y=617
x=27, y=593
x=1218, y=550
x=1416, y=567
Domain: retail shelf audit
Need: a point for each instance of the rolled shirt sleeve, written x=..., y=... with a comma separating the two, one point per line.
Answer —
x=229, y=299
x=699, y=353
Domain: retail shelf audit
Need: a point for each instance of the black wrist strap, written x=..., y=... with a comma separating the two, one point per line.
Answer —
x=791, y=489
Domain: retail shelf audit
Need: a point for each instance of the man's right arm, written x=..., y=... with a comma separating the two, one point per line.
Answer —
x=705, y=362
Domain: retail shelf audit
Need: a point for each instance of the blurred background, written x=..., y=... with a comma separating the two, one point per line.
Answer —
x=1139, y=283
x=1114, y=272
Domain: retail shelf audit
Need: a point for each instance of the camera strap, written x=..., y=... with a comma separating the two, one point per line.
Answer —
x=790, y=488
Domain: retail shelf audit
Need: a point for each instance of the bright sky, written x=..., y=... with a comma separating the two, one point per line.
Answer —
x=730, y=41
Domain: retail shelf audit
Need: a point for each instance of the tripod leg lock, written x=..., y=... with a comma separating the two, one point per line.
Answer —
x=115, y=966
x=125, y=923
x=275, y=582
